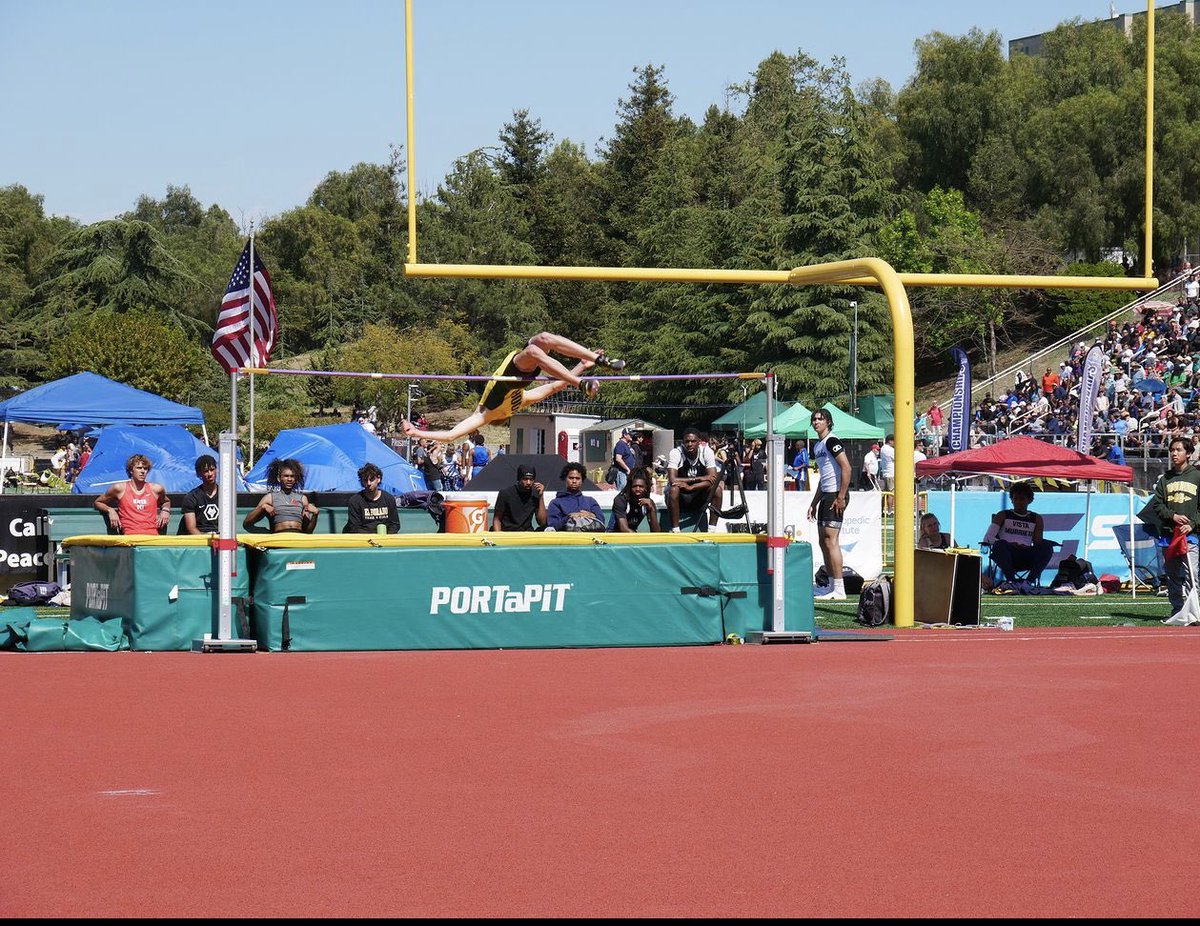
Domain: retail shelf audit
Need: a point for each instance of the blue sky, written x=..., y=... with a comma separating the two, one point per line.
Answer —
x=251, y=103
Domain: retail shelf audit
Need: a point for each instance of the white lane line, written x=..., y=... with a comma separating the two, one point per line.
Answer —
x=1000, y=636
x=129, y=792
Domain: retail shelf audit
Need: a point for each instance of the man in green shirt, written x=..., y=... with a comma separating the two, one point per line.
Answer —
x=1177, y=504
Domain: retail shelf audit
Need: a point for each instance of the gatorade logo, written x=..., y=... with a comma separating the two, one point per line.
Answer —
x=477, y=520
x=497, y=599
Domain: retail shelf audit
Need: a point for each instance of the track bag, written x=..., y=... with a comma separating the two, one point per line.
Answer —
x=875, y=603
x=31, y=593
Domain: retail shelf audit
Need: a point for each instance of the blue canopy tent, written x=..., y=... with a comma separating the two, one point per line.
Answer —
x=87, y=399
x=331, y=455
x=171, y=449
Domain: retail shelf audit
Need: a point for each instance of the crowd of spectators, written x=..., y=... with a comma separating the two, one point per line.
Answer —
x=1149, y=392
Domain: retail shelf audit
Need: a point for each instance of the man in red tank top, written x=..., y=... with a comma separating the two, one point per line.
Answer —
x=135, y=506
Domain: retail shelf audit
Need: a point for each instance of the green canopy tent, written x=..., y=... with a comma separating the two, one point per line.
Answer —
x=796, y=423
x=847, y=427
x=792, y=423
x=748, y=415
x=877, y=410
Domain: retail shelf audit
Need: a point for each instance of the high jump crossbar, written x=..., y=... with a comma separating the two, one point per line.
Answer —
x=629, y=377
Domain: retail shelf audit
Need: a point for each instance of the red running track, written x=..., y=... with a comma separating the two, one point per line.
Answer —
x=956, y=773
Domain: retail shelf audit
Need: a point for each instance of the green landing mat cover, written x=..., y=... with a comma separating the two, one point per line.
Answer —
x=164, y=594
x=56, y=635
x=13, y=622
x=413, y=597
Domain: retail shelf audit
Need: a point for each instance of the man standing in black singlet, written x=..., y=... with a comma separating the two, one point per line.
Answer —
x=829, y=502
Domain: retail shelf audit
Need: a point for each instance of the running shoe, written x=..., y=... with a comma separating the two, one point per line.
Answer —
x=610, y=362
x=590, y=386
x=832, y=595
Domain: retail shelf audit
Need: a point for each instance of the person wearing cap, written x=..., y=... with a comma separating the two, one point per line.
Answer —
x=870, y=469
x=521, y=507
x=1191, y=287
x=1113, y=452
x=624, y=459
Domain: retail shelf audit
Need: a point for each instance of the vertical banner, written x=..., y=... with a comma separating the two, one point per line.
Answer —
x=959, y=405
x=1089, y=388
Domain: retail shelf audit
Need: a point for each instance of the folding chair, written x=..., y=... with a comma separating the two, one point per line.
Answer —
x=1020, y=576
x=1145, y=558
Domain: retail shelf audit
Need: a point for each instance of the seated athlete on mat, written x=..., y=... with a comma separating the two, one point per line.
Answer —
x=501, y=399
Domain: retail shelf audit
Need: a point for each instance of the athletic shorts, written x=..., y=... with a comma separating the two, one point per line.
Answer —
x=826, y=516
x=693, y=498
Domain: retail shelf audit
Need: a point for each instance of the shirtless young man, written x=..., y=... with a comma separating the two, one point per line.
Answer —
x=501, y=399
x=135, y=506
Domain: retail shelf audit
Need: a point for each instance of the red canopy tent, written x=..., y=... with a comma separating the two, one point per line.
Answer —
x=1030, y=457
x=1025, y=456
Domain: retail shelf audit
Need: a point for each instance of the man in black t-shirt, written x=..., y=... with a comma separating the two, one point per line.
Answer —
x=634, y=505
x=201, y=506
x=373, y=507
x=518, y=505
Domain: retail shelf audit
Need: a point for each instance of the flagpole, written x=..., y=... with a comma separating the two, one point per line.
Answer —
x=253, y=351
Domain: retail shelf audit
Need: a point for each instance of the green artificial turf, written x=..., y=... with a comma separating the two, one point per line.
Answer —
x=1112, y=610
x=1119, y=609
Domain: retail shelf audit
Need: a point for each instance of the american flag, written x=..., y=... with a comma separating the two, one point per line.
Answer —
x=231, y=340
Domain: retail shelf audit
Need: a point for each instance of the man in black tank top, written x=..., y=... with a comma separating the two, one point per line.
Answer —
x=1016, y=538
x=692, y=479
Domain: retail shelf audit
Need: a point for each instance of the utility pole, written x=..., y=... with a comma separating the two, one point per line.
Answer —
x=854, y=362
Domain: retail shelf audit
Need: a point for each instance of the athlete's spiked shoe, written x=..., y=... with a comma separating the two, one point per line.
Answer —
x=610, y=362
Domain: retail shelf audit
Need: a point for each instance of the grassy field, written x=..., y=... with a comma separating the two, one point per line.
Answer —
x=1114, y=610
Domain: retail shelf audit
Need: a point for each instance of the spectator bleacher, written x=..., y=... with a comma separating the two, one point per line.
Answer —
x=1150, y=387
